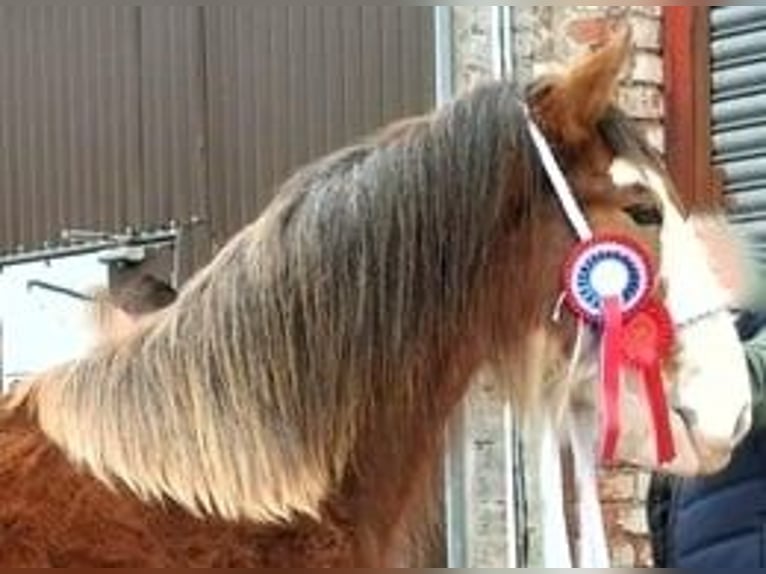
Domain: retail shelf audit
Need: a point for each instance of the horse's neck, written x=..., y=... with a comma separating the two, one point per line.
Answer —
x=396, y=461
x=391, y=478
x=388, y=490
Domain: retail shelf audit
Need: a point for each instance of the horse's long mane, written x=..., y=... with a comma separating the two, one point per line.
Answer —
x=325, y=317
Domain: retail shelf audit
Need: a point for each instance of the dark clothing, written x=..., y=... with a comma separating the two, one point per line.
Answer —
x=719, y=521
x=659, y=502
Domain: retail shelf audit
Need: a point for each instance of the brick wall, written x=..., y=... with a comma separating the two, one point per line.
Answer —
x=473, y=40
x=546, y=36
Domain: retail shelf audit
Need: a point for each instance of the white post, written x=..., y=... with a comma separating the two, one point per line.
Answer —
x=481, y=494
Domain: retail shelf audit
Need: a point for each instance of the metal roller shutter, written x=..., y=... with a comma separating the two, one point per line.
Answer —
x=739, y=114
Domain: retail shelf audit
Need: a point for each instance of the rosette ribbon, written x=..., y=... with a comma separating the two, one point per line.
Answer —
x=609, y=282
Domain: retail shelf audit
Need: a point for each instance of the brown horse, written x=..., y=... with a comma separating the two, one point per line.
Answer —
x=286, y=410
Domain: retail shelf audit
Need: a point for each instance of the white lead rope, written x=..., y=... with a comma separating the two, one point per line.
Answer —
x=593, y=545
x=557, y=552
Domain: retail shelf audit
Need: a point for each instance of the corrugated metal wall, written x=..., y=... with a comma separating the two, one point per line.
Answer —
x=739, y=113
x=113, y=117
x=306, y=79
x=68, y=135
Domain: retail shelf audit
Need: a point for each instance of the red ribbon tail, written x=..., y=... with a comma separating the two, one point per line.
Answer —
x=658, y=405
x=610, y=386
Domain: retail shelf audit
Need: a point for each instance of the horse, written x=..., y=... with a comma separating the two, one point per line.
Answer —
x=287, y=409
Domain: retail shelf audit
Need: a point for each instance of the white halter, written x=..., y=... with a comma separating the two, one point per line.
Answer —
x=558, y=179
x=594, y=551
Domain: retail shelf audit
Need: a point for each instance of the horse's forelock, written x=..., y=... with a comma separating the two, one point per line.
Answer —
x=626, y=140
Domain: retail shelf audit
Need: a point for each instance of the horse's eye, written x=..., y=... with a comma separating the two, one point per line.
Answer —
x=645, y=215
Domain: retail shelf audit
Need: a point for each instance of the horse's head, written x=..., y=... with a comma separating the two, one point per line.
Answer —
x=623, y=188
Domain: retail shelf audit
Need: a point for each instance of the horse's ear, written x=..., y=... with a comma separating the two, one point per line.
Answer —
x=571, y=106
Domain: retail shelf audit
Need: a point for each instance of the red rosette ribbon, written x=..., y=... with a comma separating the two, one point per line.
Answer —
x=611, y=346
x=608, y=283
x=647, y=340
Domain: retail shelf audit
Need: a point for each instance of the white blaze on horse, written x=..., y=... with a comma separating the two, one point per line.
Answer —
x=289, y=407
x=710, y=392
